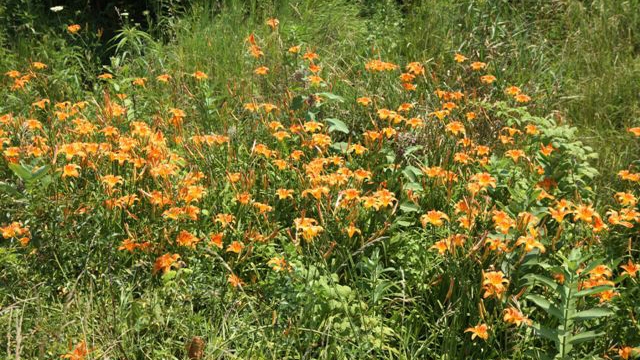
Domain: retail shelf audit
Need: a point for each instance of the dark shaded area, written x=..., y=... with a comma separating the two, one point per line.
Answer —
x=23, y=18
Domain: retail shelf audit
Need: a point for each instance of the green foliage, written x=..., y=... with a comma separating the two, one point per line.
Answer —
x=566, y=303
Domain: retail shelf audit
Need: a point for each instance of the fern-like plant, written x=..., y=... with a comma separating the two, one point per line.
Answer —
x=565, y=303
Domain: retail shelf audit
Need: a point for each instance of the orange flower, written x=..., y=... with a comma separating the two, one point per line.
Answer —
x=515, y=154
x=558, y=214
x=243, y=198
x=70, y=170
x=494, y=284
x=199, y=75
x=630, y=269
x=139, y=81
x=480, y=331
x=38, y=65
x=216, y=239
x=165, y=262
x=128, y=244
x=364, y=101
x=294, y=49
x=72, y=29
x=635, y=131
x=311, y=56
x=262, y=70
x=442, y=246
x=626, y=199
x=584, y=213
x=627, y=352
x=522, y=98
x=308, y=227
x=225, y=219
x=315, y=79
x=487, y=79
x=235, y=281
x=278, y=263
x=529, y=241
x=455, y=128
x=284, y=194
x=163, y=78
x=235, y=247
x=483, y=180
x=434, y=217
x=478, y=65
x=111, y=180
x=616, y=219
x=459, y=58
x=514, y=316
x=352, y=230
x=78, y=353
x=546, y=150
x=415, y=68
x=272, y=23
x=379, y=65
x=512, y=90
x=186, y=238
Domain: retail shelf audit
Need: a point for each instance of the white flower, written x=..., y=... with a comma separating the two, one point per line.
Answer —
x=57, y=8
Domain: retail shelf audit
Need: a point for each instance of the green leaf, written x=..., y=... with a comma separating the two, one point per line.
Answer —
x=296, y=103
x=412, y=149
x=545, y=332
x=310, y=116
x=411, y=172
x=583, y=337
x=408, y=206
x=552, y=285
x=537, y=354
x=592, y=291
x=21, y=171
x=331, y=96
x=7, y=188
x=340, y=146
x=592, y=314
x=403, y=223
x=337, y=125
x=546, y=305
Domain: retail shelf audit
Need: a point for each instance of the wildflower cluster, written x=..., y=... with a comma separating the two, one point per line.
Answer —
x=280, y=185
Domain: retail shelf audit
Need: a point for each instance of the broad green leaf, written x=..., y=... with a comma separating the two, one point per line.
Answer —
x=545, y=332
x=403, y=223
x=22, y=172
x=408, y=206
x=585, y=336
x=337, y=125
x=592, y=314
x=310, y=116
x=340, y=146
x=550, y=284
x=411, y=172
x=546, y=305
x=591, y=291
x=296, y=103
x=412, y=149
x=538, y=354
x=331, y=96
x=413, y=186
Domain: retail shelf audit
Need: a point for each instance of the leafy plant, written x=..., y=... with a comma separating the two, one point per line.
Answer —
x=566, y=302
